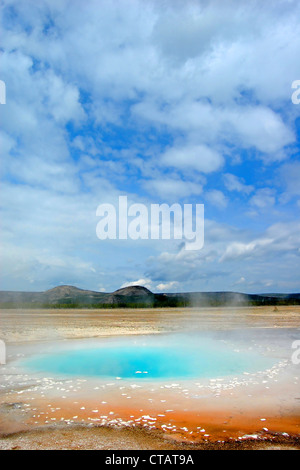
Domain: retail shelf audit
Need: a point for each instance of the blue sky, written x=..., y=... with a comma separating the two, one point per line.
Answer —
x=165, y=102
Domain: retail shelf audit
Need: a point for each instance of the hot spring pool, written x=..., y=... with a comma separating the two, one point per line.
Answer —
x=151, y=358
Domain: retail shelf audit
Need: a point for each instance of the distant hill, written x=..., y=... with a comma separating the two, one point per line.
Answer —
x=136, y=297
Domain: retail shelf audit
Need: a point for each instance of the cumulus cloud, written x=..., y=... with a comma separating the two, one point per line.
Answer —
x=278, y=238
x=263, y=198
x=140, y=282
x=216, y=198
x=167, y=287
x=197, y=157
x=289, y=176
x=226, y=255
x=172, y=189
x=241, y=250
x=233, y=183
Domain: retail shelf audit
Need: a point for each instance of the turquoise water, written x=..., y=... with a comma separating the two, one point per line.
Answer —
x=150, y=359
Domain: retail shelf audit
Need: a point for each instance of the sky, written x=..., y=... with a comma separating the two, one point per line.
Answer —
x=162, y=101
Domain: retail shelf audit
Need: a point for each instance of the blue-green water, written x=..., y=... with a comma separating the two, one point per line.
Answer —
x=150, y=359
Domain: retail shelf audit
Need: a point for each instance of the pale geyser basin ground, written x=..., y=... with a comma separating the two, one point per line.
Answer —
x=257, y=401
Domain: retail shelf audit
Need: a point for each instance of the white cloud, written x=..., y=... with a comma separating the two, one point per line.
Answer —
x=197, y=157
x=233, y=183
x=206, y=125
x=242, y=280
x=216, y=198
x=241, y=250
x=172, y=189
x=140, y=282
x=6, y=143
x=289, y=175
x=62, y=99
x=262, y=128
x=167, y=286
x=280, y=238
x=263, y=198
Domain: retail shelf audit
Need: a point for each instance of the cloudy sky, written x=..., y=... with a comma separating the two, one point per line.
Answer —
x=164, y=101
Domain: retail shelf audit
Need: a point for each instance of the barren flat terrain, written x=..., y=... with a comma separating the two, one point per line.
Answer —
x=45, y=411
x=38, y=325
